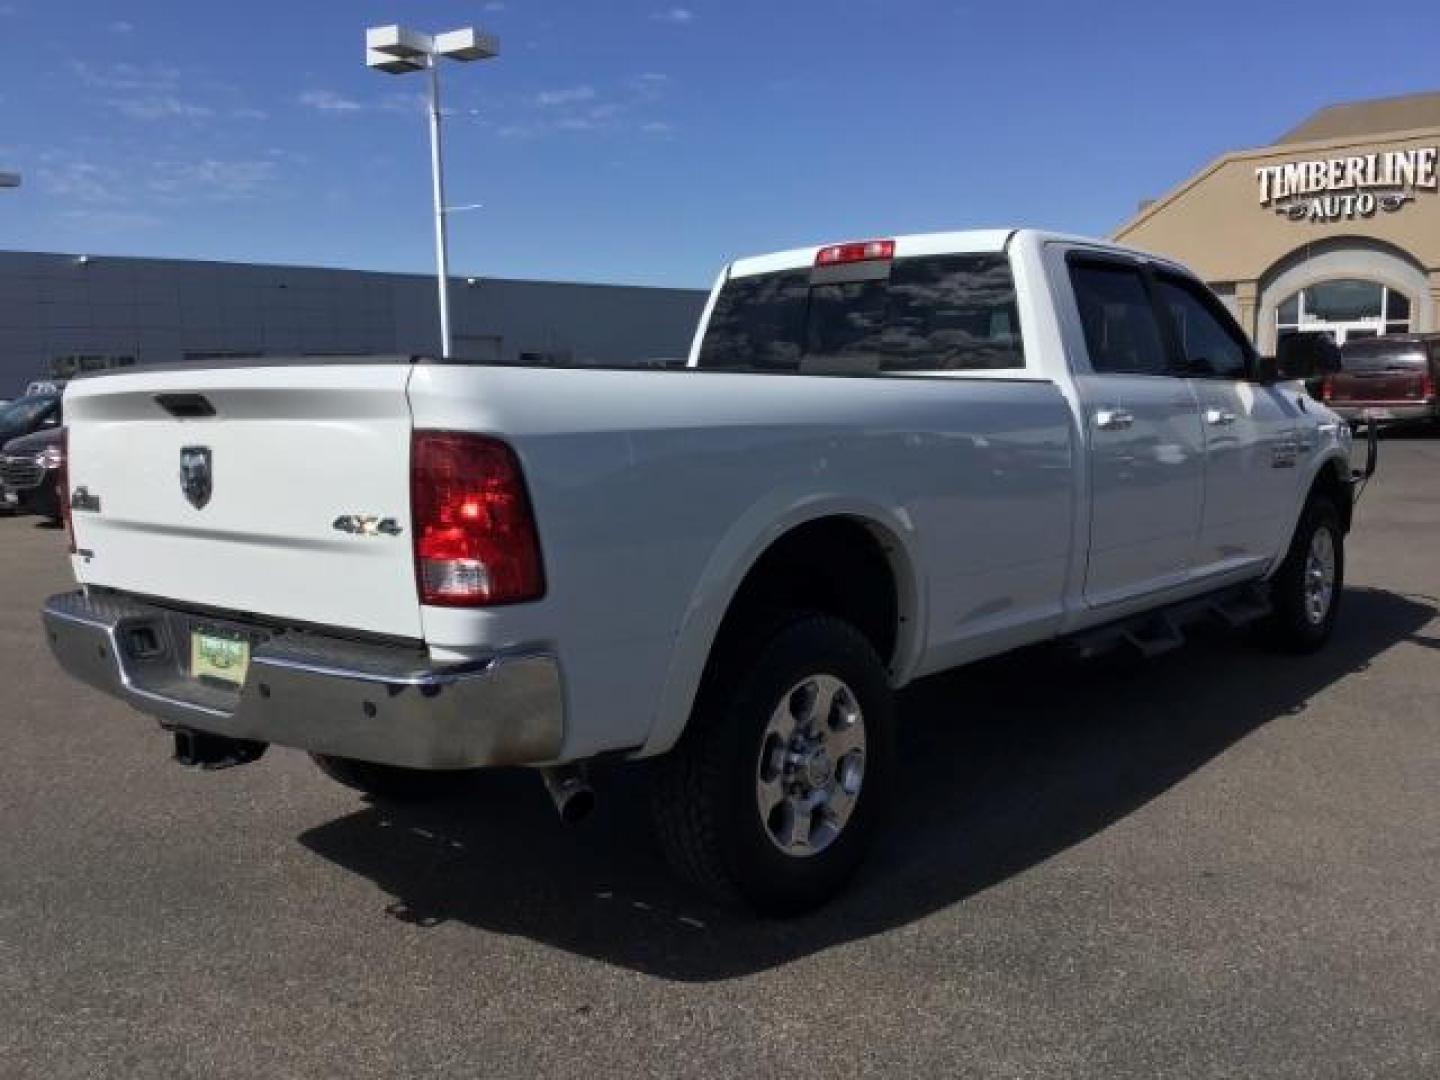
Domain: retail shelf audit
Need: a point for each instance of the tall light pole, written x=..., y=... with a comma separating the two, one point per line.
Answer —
x=397, y=50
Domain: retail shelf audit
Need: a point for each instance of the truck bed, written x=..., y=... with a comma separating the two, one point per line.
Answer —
x=651, y=488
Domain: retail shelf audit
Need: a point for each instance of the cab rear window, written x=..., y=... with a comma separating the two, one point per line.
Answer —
x=929, y=313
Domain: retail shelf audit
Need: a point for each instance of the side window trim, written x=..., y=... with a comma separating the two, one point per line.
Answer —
x=1202, y=295
x=1111, y=260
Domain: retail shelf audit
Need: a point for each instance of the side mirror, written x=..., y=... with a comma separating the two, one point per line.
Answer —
x=1306, y=355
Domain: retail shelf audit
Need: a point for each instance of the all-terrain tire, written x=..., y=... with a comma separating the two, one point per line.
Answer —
x=1307, y=589
x=707, y=810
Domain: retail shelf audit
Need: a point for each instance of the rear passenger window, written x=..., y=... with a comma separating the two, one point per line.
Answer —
x=952, y=312
x=930, y=313
x=1121, y=334
x=758, y=323
x=1208, y=347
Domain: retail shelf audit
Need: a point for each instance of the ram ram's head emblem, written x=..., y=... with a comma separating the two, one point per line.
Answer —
x=196, y=476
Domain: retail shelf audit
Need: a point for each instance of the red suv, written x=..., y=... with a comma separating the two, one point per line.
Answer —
x=1386, y=379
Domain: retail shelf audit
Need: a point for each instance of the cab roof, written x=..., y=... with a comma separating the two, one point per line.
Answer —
x=961, y=242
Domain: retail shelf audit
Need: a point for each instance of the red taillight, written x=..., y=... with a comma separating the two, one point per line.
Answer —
x=1427, y=388
x=863, y=251
x=475, y=540
x=62, y=487
x=1327, y=389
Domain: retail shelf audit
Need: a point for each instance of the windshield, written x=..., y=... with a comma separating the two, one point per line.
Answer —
x=1379, y=354
x=25, y=413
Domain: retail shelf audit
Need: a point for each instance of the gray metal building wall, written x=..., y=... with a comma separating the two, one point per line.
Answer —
x=159, y=310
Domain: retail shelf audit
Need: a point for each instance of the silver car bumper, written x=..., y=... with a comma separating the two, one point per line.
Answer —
x=382, y=703
x=1382, y=413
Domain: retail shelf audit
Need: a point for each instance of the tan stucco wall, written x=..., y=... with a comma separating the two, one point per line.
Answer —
x=1215, y=224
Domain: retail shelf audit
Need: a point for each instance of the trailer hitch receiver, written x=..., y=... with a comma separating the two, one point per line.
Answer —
x=198, y=750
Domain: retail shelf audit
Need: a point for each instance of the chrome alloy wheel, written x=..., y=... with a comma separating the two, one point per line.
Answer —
x=811, y=765
x=1320, y=576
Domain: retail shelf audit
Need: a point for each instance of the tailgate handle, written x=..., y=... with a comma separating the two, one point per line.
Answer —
x=186, y=406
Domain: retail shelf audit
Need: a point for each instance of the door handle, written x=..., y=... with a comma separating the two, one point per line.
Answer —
x=1219, y=417
x=1114, y=419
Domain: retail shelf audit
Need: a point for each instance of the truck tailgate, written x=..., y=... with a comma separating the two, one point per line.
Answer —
x=289, y=453
x=1400, y=384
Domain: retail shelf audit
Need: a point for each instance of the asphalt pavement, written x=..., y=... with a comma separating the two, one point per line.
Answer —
x=1220, y=863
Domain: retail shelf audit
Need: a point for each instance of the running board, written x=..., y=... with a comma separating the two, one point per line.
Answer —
x=1155, y=636
x=1154, y=633
x=1244, y=608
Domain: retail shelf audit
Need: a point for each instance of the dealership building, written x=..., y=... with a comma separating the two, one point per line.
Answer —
x=62, y=313
x=1335, y=227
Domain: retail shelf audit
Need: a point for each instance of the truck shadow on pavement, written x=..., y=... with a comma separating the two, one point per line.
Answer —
x=1002, y=766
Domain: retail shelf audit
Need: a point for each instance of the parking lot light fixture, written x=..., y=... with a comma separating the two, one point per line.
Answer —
x=9, y=179
x=398, y=50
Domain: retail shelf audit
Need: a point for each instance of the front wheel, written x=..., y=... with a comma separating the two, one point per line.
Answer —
x=1306, y=589
x=771, y=796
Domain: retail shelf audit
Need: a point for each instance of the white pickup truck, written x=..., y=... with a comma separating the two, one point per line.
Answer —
x=884, y=459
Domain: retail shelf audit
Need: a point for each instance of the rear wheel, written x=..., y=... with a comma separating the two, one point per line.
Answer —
x=392, y=783
x=772, y=795
x=1306, y=589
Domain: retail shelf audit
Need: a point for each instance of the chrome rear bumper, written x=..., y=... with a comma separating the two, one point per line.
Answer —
x=383, y=703
x=1383, y=412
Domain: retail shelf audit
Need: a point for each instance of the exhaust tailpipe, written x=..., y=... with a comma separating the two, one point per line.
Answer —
x=570, y=791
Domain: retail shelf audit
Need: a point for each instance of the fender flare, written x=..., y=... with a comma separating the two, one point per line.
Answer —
x=1331, y=457
x=731, y=561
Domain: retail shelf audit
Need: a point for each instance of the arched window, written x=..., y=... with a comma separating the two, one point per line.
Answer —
x=1347, y=308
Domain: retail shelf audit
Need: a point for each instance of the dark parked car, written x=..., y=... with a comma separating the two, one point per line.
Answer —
x=30, y=469
x=33, y=412
x=1386, y=379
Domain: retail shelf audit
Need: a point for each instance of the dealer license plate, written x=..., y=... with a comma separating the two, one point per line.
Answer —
x=9, y=498
x=218, y=656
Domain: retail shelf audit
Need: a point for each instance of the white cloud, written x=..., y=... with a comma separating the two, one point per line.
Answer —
x=84, y=182
x=494, y=5
x=649, y=85
x=126, y=77
x=120, y=26
x=154, y=91
x=398, y=101
x=137, y=184
x=159, y=107
x=677, y=16
x=210, y=179
x=95, y=221
x=613, y=111
x=570, y=96
x=329, y=101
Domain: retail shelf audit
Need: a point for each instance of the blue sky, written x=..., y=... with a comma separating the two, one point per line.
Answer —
x=647, y=142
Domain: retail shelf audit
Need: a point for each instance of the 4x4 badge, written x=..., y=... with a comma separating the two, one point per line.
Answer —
x=367, y=525
x=196, y=476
